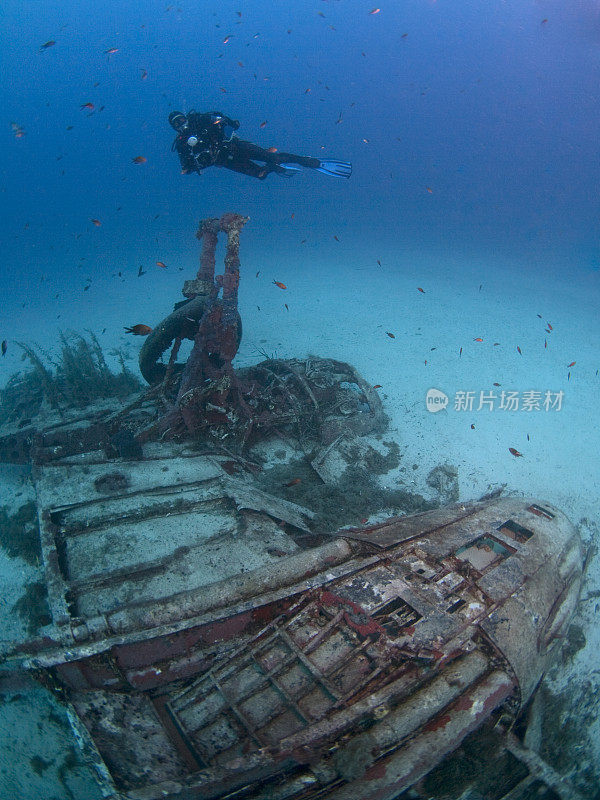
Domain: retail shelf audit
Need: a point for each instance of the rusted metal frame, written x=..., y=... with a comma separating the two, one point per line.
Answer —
x=404, y=621
x=366, y=679
x=324, y=632
x=318, y=736
x=267, y=678
x=350, y=655
x=319, y=677
x=196, y=693
x=270, y=676
x=336, y=669
x=264, y=680
x=289, y=660
x=240, y=716
x=396, y=555
x=469, y=574
x=292, y=704
x=176, y=733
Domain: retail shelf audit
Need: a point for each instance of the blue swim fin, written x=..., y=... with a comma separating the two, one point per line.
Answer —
x=338, y=169
x=287, y=170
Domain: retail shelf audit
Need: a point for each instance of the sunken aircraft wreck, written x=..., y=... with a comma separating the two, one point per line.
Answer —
x=213, y=639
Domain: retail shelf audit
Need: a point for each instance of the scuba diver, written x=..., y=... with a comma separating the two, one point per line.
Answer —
x=208, y=140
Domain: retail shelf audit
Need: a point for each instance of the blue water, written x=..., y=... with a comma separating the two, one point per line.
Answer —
x=472, y=128
x=489, y=106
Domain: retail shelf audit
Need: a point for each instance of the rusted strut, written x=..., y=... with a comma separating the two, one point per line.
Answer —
x=208, y=392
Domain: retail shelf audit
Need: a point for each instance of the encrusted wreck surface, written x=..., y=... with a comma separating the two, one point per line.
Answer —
x=242, y=656
x=214, y=639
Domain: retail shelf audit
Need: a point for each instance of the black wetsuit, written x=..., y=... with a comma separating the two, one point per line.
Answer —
x=214, y=149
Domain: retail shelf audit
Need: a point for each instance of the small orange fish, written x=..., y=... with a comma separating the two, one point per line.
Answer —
x=161, y=264
x=111, y=50
x=496, y=383
x=139, y=160
x=519, y=350
x=549, y=326
x=336, y=238
x=420, y=290
x=472, y=427
x=226, y=39
x=545, y=343
x=391, y=335
x=375, y=11
x=46, y=45
x=478, y=339
x=377, y=386
x=429, y=189
x=273, y=150
x=96, y=222
x=139, y=330
x=262, y=124
x=89, y=106
x=515, y=452
x=144, y=74
x=572, y=364
x=280, y=284
x=293, y=482
x=460, y=352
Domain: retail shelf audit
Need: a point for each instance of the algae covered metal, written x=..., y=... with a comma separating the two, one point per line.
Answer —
x=238, y=658
x=213, y=639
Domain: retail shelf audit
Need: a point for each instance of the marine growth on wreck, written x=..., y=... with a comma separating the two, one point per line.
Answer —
x=233, y=605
